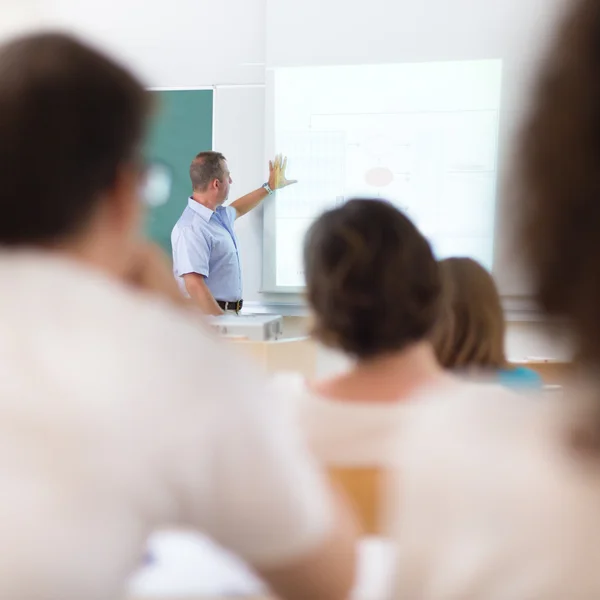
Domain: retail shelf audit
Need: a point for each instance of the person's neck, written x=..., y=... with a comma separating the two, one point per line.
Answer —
x=207, y=200
x=387, y=378
x=94, y=252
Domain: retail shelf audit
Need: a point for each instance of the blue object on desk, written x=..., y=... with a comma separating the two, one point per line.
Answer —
x=520, y=378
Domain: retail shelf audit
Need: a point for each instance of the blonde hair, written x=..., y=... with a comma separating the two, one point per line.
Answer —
x=470, y=329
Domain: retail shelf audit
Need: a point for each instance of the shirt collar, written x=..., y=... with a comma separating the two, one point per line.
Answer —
x=200, y=209
x=203, y=211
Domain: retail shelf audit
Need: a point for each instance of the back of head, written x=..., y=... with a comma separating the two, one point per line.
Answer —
x=372, y=280
x=205, y=168
x=559, y=168
x=470, y=330
x=69, y=120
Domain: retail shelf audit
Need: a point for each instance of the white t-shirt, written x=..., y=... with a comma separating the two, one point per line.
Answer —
x=341, y=433
x=120, y=414
x=348, y=432
x=492, y=502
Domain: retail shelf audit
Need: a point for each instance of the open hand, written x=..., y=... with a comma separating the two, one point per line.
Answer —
x=277, y=178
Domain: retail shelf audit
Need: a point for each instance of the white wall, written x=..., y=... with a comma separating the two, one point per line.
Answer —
x=246, y=158
x=174, y=43
x=19, y=15
x=347, y=32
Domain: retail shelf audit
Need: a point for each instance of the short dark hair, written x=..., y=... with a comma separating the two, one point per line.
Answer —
x=372, y=280
x=205, y=168
x=559, y=183
x=69, y=117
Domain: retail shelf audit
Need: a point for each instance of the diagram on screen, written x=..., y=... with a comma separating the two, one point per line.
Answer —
x=424, y=137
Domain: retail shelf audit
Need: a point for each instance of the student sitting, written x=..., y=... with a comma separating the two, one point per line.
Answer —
x=469, y=336
x=373, y=288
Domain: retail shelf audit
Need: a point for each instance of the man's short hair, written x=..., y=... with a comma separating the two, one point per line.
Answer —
x=69, y=118
x=205, y=168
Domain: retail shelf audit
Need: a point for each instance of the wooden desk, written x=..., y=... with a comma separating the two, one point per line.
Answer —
x=552, y=372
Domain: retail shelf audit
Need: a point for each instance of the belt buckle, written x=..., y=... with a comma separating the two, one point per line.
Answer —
x=238, y=306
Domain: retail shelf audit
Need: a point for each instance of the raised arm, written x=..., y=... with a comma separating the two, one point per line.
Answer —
x=277, y=181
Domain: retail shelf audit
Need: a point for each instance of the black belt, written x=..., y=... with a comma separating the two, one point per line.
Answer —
x=235, y=306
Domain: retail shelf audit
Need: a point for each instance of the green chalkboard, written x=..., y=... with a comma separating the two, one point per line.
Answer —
x=181, y=128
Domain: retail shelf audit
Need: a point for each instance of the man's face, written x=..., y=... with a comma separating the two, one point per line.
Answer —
x=225, y=183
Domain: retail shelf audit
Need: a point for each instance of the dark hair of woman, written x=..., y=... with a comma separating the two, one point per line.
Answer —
x=372, y=280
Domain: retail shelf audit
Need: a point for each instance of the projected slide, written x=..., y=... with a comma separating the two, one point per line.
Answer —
x=424, y=136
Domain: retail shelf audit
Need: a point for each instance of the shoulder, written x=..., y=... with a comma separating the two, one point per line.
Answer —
x=192, y=230
x=289, y=388
x=456, y=416
x=476, y=430
x=109, y=318
x=231, y=213
x=338, y=432
x=131, y=344
x=191, y=222
x=486, y=468
x=293, y=393
x=186, y=218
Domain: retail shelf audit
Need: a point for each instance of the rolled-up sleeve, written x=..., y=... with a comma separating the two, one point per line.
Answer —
x=231, y=214
x=191, y=253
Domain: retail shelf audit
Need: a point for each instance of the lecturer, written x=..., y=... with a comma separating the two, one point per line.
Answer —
x=206, y=259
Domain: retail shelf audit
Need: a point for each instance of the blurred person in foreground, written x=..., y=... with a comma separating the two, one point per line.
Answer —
x=469, y=335
x=118, y=410
x=499, y=496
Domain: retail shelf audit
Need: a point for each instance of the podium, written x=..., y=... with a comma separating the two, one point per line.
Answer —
x=252, y=327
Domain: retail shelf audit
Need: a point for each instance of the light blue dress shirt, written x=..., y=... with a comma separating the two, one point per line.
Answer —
x=204, y=242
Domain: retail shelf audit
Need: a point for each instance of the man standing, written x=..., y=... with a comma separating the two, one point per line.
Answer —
x=206, y=259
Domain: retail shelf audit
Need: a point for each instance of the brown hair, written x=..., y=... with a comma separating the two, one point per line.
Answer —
x=69, y=119
x=559, y=178
x=470, y=330
x=372, y=280
x=205, y=168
